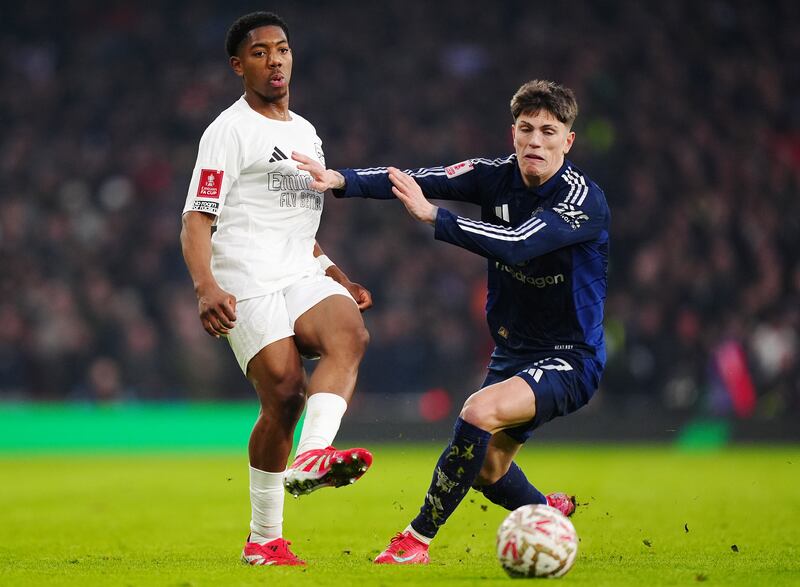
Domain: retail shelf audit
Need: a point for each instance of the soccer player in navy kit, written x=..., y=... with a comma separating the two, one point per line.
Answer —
x=544, y=231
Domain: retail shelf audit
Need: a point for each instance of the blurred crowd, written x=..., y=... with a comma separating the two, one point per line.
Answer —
x=690, y=121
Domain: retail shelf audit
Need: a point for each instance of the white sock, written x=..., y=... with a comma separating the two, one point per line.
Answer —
x=324, y=413
x=266, y=503
x=417, y=535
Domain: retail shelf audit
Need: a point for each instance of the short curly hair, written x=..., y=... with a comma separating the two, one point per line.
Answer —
x=244, y=24
x=539, y=95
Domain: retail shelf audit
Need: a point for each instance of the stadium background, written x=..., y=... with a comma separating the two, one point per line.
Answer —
x=690, y=120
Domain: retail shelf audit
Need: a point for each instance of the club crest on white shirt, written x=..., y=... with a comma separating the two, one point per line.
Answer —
x=320, y=154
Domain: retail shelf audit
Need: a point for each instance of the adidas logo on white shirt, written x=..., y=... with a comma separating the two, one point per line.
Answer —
x=277, y=155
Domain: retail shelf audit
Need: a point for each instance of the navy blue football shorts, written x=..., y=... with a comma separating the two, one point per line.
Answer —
x=561, y=382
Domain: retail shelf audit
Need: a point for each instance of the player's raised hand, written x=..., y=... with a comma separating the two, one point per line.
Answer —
x=360, y=294
x=408, y=191
x=324, y=179
x=217, y=310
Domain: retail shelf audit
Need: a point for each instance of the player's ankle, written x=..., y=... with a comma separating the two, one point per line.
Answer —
x=422, y=538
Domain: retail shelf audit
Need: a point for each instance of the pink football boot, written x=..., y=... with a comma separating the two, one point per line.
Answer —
x=562, y=502
x=325, y=467
x=275, y=552
x=404, y=549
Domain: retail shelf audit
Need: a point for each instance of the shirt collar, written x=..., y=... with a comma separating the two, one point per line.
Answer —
x=548, y=188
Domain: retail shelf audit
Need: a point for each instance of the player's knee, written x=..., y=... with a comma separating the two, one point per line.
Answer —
x=349, y=345
x=281, y=392
x=358, y=341
x=286, y=402
x=290, y=386
x=480, y=413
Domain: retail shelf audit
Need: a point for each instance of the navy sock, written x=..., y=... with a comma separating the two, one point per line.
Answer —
x=455, y=472
x=512, y=490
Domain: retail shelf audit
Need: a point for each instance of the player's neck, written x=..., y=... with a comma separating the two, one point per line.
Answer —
x=274, y=110
x=534, y=181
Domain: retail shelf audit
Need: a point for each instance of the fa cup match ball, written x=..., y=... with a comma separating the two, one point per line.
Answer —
x=536, y=541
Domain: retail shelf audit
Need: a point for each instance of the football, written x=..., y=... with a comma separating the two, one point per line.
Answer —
x=536, y=541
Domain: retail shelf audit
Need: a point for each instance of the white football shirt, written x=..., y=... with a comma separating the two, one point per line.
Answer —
x=266, y=215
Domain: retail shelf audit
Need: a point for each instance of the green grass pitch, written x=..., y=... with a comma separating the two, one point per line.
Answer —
x=651, y=516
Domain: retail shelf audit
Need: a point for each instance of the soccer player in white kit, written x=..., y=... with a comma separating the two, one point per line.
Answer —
x=263, y=283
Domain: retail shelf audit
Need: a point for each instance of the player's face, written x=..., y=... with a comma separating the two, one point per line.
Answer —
x=541, y=141
x=264, y=62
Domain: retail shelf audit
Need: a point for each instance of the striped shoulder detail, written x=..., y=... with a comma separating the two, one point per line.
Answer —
x=370, y=171
x=426, y=171
x=578, y=188
x=494, y=162
x=438, y=170
x=421, y=172
x=502, y=233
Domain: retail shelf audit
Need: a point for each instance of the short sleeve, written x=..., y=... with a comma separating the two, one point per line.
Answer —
x=216, y=170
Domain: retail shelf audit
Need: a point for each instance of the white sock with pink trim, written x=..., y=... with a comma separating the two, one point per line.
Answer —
x=324, y=413
x=266, y=504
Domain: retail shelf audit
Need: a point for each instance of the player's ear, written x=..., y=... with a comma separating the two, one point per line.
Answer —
x=513, y=133
x=569, y=141
x=236, y=65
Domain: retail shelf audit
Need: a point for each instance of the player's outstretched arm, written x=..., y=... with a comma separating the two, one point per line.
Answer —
x=324, y=179
x=408, y=191
x=360, y=294
x=217, y=308
x=547, y=230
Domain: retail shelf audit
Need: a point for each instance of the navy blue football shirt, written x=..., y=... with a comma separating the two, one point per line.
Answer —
x=547, y=247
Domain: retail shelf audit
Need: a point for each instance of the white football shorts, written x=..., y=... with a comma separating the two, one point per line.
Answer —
x=263, y=320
